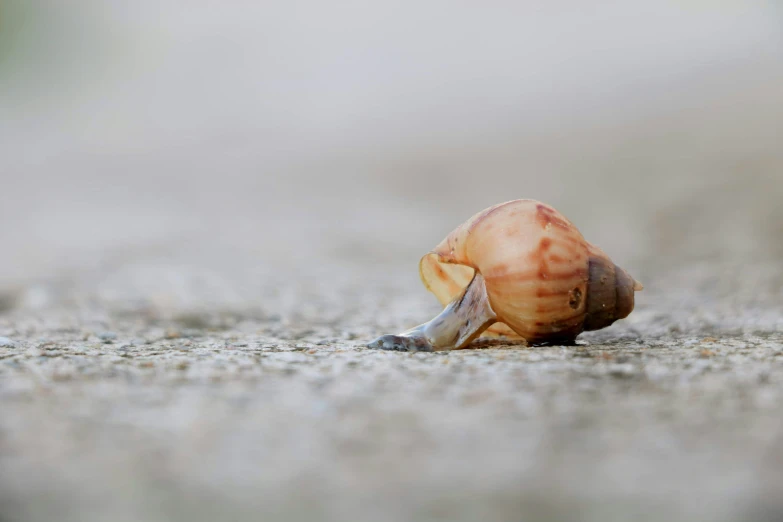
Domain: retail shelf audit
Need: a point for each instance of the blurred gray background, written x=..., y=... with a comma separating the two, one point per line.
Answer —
x=186, y=180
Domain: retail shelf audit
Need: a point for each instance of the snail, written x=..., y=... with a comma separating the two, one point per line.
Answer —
x=519, y=269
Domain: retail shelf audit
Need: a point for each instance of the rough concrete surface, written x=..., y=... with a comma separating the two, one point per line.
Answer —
x=115, y=414
x=191, y=264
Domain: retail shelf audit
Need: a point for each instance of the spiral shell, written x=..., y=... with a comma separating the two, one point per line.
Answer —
x=544, y=281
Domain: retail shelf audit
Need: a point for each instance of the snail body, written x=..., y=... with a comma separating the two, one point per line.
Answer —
x=522, y=270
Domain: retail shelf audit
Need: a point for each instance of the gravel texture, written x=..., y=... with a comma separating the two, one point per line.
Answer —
x=122, y=413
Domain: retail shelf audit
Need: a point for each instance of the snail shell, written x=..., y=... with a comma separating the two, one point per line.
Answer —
x=544, y=281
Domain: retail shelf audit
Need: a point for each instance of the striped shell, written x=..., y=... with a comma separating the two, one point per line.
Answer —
x=545, y=282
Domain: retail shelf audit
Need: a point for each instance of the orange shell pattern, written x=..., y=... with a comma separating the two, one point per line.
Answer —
x=534, y=262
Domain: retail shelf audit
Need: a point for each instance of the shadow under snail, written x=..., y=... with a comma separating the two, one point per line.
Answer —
x=521, y=270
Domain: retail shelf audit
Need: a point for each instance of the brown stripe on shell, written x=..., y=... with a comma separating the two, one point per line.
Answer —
x=535, y=294
x=538, y=274
x=486, y=213
x=556, y=259
x=562, y=324
x=553, y=307
x=545, y=292
x=439, y=271
x=548, y=216
x=573, y=240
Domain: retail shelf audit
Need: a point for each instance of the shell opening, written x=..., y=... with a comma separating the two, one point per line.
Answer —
x=445, y=280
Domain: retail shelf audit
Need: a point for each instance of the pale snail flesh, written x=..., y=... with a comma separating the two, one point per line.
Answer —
x=520, y=270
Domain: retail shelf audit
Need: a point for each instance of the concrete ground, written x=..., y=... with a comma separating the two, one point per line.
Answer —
x=184, y=385
x=188, y=278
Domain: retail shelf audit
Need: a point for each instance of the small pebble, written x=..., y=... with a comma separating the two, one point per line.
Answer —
x=5, y=342
x=107, y=337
